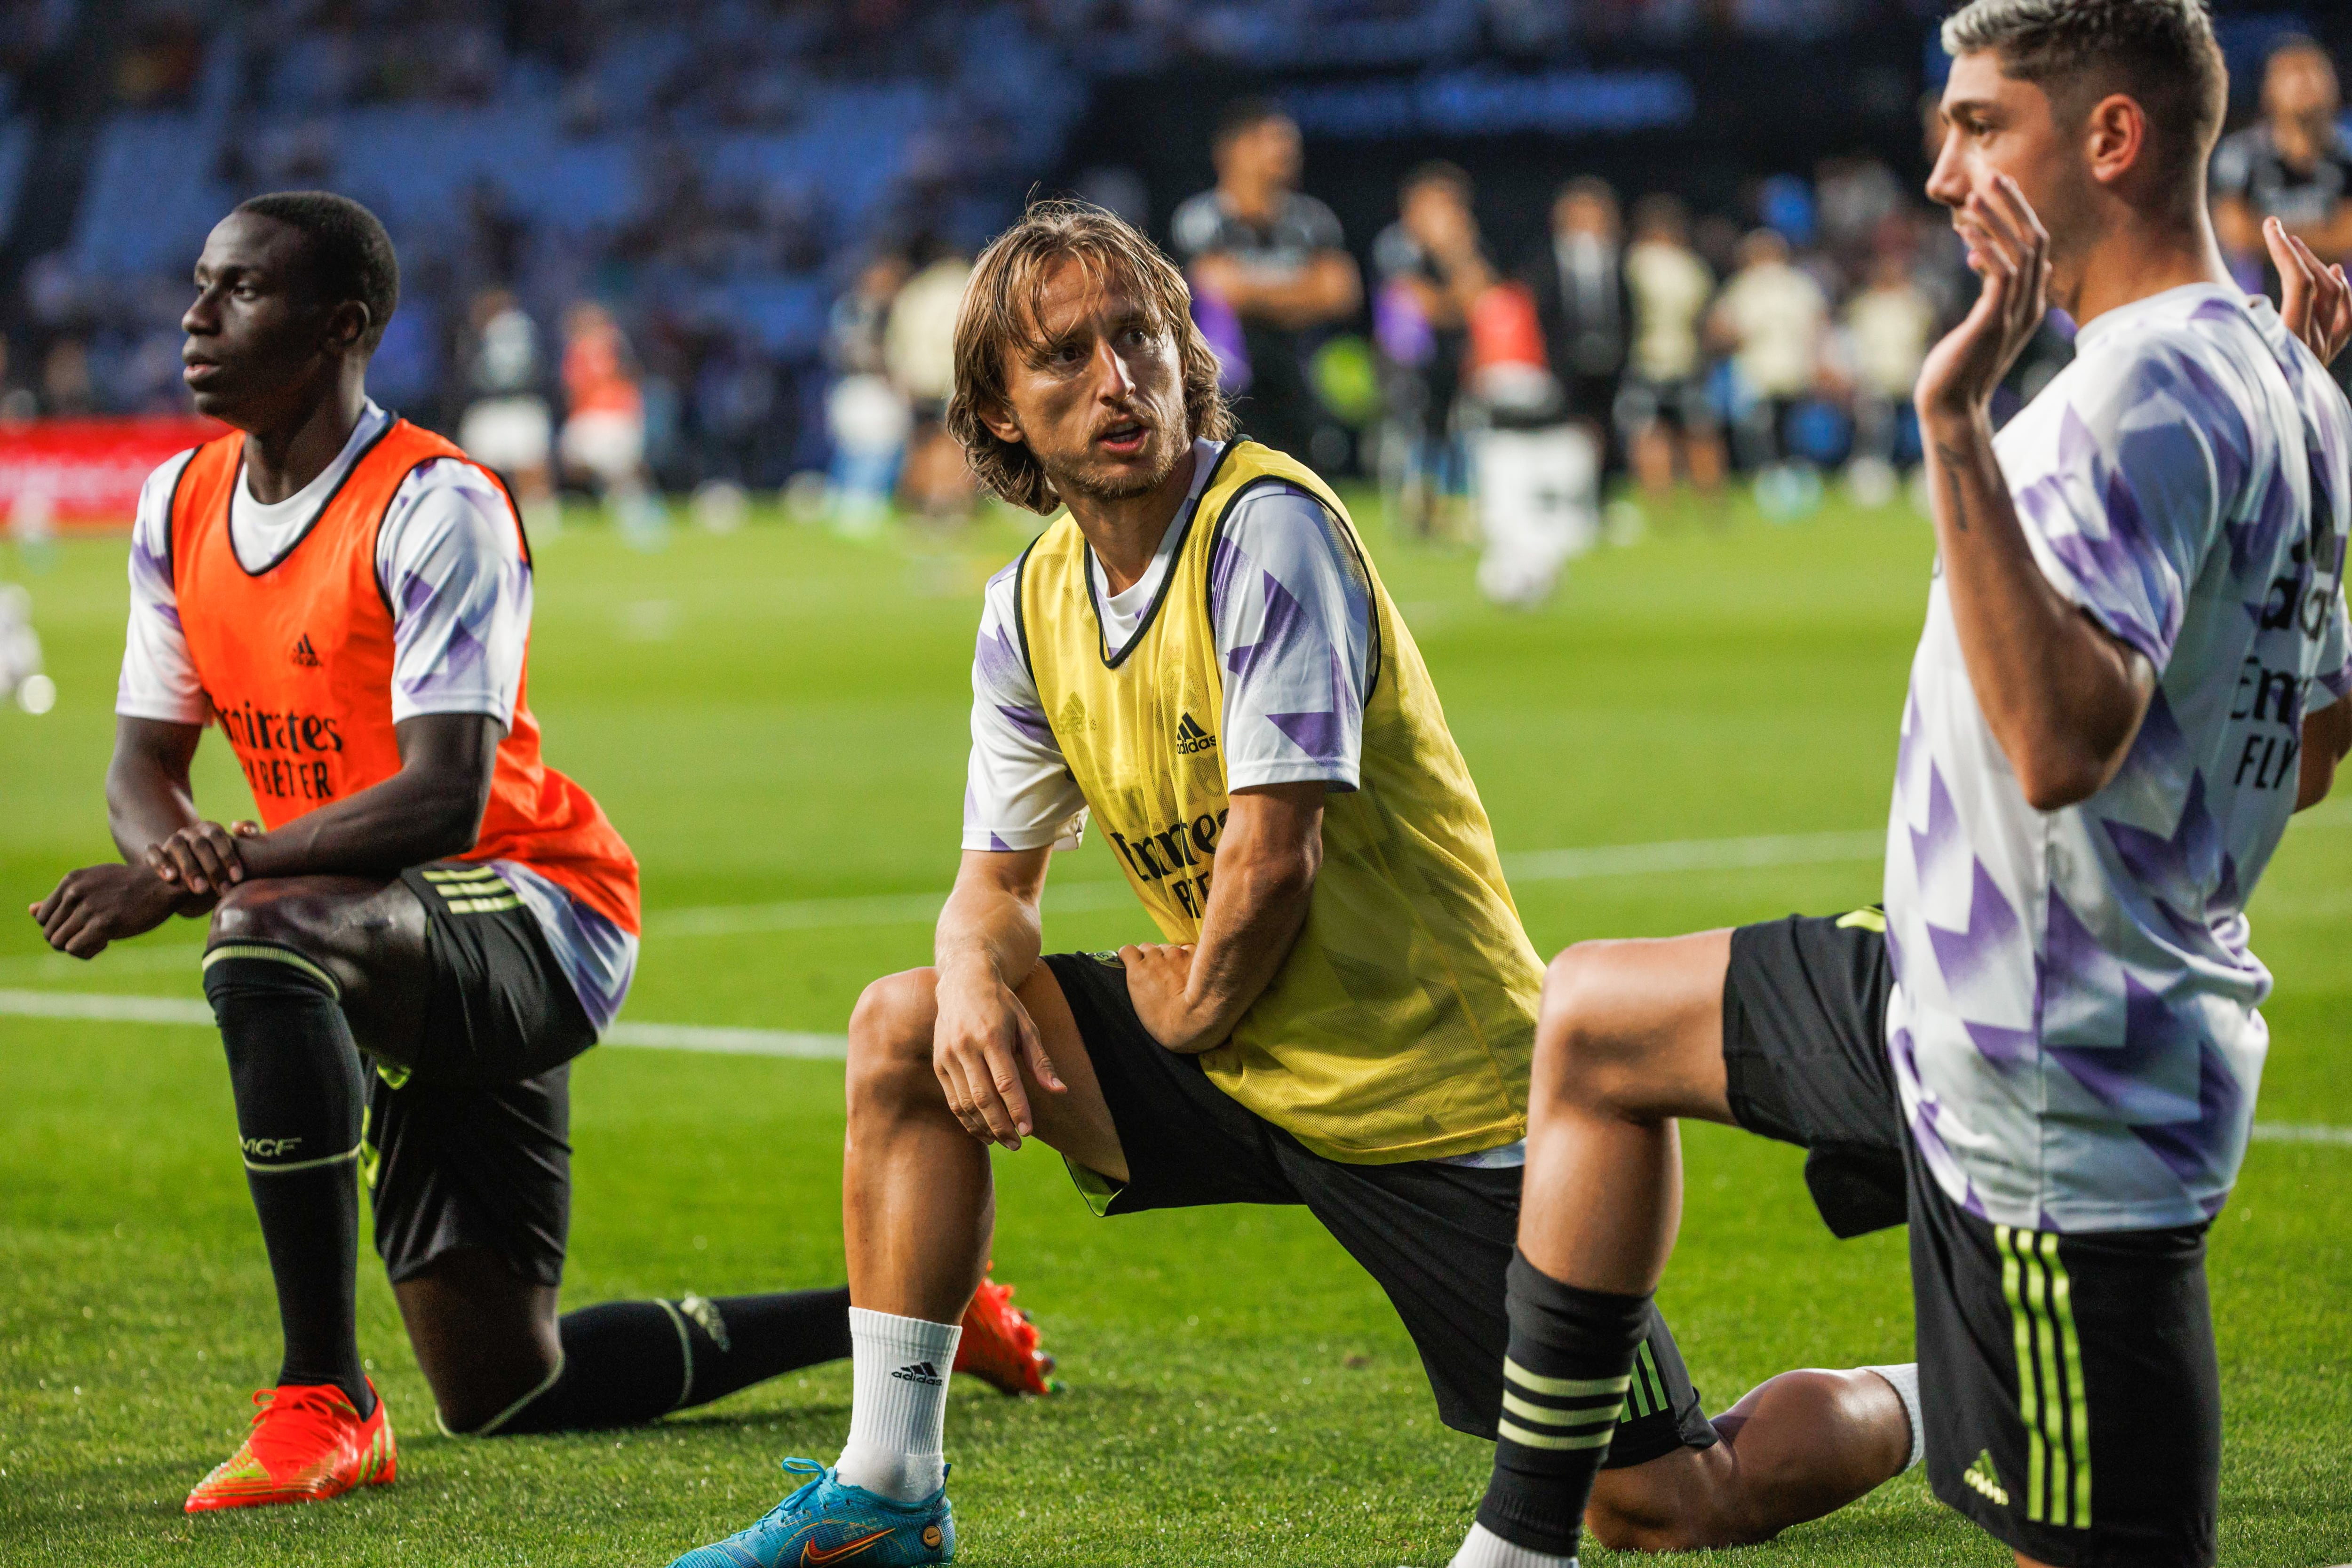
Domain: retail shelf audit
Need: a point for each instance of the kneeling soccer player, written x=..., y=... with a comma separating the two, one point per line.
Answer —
x=1200, y=654
x=349, y=597
x=2044, y=1052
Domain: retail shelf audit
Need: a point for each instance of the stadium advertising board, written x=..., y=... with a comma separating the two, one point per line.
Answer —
x=84, y=474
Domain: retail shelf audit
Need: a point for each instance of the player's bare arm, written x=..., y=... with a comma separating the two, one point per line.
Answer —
x=176, y=863
x=2064, y=698
x=1190, y=996
x=988, y=942
x=2327, y=740
x=148, y=799
x=1327, y=288
x=430, y=810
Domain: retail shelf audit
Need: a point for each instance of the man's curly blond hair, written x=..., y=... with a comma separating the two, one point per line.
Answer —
x=998, y=320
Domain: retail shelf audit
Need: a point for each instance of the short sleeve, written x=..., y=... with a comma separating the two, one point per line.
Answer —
x=1196, y=225
x=1291, y=603
x=1018, y=789
x=1317, y=223
x=159, y=676
x=1395, y=254
x=451, y=562
x=2121, y=515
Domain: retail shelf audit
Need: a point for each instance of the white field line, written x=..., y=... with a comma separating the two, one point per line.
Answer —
x=92, y=1008
x=1527, y=866
x=2302, y=1132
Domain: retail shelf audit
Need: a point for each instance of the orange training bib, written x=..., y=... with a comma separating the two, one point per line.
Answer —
x=297, y=660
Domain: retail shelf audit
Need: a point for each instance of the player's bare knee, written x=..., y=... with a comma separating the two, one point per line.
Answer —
x=1585, y=1058
x=890, y=1040
x=278, y=911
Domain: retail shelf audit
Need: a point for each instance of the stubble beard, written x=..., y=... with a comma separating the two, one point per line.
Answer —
x=1080, y=481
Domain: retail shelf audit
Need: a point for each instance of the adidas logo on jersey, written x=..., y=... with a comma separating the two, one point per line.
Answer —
x=921, y=1372
x=305, y=654
x=1980, y=1478
x=1190, y=737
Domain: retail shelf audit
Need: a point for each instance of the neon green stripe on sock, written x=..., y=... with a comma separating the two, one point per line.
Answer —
x=1563, y=1387
x=269, y=953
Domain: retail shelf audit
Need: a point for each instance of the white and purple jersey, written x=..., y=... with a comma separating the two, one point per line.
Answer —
x=1293, y=616
x=2073, y=1025
x=451, y=565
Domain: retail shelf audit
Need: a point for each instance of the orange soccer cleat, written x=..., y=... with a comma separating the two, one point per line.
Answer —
x=307, y=1444
x=999, y=1343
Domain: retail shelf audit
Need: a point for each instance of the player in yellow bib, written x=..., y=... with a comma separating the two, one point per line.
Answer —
x=1198, y=657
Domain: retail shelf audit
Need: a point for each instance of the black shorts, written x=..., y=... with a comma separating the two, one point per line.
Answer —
x=1437, y=1237
x=2068, y=1384
x=470, y=1146
x=1683, y=405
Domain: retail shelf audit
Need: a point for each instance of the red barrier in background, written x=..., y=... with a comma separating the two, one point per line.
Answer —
x=86, y=473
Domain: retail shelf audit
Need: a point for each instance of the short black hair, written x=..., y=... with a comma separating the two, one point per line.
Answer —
x=1242, y=116
x=1592, y=187
x=2162, y=52
x=347, y=254
x=1438, y=171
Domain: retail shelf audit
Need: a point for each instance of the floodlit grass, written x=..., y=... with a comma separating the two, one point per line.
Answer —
x=777, y=715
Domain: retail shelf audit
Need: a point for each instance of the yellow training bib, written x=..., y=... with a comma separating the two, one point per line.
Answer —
x=1402, y=1025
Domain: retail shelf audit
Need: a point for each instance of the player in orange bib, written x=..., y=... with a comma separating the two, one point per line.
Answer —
x=349, y=597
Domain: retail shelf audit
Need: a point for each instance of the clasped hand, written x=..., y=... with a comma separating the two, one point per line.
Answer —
x=1159, y=985
x=100, y=904
x=980, y=1042
x=184, y=874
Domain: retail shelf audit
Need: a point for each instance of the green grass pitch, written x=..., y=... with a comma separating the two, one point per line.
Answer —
x=776, y=716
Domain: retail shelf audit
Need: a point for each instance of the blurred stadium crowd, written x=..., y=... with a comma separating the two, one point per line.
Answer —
x=662, y=245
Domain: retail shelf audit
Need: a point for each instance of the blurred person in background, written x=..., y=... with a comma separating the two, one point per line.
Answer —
x=1534, y=470
x=508, y=426
x=2291, y=164
x=21, y=679
x=1664, y=413
x=1585, y=309
x=865, y=416
x=605, y=421
x=1431, y=272
x=67, y=389
x=1889, y=324
x=1278, y=261
x=919, y=350
x=18, y=404
x=1772, y=317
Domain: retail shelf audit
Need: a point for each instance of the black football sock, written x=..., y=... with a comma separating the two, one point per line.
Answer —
x=297, y=1082
x=1564, y=1381
x=627, y=1363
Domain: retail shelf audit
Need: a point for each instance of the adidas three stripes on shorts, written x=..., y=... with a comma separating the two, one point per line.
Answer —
x=470, y=1147
x=2068, y=1383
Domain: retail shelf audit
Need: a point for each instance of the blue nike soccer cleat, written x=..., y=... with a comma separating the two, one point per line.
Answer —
x=828, y=1521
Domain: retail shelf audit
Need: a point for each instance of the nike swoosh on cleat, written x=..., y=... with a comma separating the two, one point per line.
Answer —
x=811, y=1557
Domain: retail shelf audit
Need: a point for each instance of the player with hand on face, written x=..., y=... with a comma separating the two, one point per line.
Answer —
x=349, y=597
x=2044, y=1051
x=1198, y=654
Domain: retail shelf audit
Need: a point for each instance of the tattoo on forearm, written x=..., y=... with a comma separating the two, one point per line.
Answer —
x=1951, y=459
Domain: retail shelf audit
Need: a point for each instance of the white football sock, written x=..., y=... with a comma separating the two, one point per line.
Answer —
x=1484, y=1549
x=899, y=1409
x=1906, y=1382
